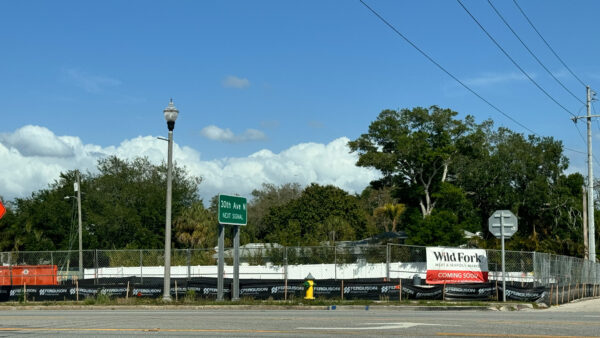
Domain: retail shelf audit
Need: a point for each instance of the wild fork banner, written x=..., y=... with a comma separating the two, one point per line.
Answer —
x=451, y=265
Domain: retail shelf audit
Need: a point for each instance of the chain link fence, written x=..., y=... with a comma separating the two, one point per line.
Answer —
x=277, y=262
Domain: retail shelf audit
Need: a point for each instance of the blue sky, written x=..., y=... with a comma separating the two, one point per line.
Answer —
x=269, y=91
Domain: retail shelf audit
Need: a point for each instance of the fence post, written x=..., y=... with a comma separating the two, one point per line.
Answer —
x=141, y=267
x=10, y=267
x=334, y=262
x=535, y=272
x=189, y=263
x=387, y=261
x=96, y=266
x=285, y=272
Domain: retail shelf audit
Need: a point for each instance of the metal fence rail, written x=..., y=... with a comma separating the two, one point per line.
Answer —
x=390, y=261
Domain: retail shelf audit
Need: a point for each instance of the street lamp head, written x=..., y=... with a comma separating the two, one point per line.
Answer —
x=171, y=115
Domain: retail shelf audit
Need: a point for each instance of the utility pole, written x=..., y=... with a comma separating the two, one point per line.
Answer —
x=592, y=231
x=590, y=185
x=586, y=252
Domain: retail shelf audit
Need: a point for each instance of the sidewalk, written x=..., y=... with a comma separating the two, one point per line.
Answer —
x=585, y=305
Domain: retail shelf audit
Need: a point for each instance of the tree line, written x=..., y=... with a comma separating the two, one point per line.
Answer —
x=441, y=175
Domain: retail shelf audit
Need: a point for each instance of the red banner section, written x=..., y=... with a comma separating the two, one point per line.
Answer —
x=454, y=277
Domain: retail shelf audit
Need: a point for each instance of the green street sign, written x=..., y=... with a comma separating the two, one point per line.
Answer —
x=232, y=210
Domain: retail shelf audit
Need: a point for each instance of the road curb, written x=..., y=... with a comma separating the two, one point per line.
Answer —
x=493, y=307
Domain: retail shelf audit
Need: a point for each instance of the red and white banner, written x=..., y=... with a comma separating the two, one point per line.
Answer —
x=450, y=266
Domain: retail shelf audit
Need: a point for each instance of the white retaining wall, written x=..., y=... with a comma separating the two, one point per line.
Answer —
x=319, y=271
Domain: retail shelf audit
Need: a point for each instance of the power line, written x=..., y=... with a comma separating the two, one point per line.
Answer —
x=444, y=69
x=512, y=60
x=532, y=54
x=382, y=19
x=580, y=134
x=547, y=44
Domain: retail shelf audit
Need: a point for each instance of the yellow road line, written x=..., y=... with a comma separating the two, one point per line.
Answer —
x=462, y=334
x=63, y=329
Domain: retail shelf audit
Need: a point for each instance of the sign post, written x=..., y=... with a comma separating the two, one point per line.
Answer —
x=503, y=223
x=221, y=262
x=232, y=211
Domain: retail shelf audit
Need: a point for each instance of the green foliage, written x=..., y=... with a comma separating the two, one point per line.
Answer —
x=269, y=196
x=312, y=218
x=392, y=213
x=456, y=173
x=196, y=227
x=439, y=229
x=414, y=150
x=441, y=175
x=190, y=296
x=123, y=206
x=126, y=203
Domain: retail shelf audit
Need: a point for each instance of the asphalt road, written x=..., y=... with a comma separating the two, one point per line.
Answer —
x=574, y=321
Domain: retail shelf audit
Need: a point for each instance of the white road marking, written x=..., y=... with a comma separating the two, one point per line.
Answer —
x=380, y=326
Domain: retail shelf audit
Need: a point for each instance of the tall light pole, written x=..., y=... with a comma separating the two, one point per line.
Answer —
x=170, y=115
x=81, y=275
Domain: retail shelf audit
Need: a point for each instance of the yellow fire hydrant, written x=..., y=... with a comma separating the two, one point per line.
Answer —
x=309, y=286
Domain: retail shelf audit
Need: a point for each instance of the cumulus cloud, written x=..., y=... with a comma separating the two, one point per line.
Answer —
x=37, y=141
x=304, y=163
x=235, y=82
x=90, y=83
x=215, y=133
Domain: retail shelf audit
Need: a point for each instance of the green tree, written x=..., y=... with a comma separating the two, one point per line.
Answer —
x=196, y=227
x=46, y=220
x=262, y=201
x=123, y=206
x=126, y=202
x=414, y=150
x=391, y=212
x=441, y=228
x=309, y=219
x=526, y=175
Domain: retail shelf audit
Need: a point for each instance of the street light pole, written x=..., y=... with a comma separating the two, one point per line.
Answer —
x=170, y=115
x=81, y=275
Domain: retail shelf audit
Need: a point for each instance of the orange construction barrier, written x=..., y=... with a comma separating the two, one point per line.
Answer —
x=29, y=274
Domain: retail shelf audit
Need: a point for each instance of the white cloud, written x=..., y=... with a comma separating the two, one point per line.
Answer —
x=37, y=141
x=305, y=163
x=235, y=82
x=215, y=133
x=90, y=83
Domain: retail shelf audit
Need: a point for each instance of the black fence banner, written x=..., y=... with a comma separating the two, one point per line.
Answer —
x=276, y=289
x=434, y=292
x=4, y=292
x=472, y=291
x=523, y=294
x=84, y=292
